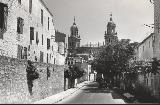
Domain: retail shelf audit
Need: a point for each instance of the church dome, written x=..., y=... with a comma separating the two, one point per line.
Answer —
x=74, y=26
x=111, y=23
x=74, y=29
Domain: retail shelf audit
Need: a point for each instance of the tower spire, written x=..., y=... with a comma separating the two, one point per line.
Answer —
x=111, y=17
x=74, y=21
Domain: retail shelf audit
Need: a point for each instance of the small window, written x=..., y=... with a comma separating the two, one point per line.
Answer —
x=25, y=53
x=3, y=19
x=20, y=24
x=48, y=23
x=41, y=16
x=31, y=33
x=47, y=57
x=42, y=39
x=37, y=39
x=41, y=56
x=30, y=6
x=48, y=44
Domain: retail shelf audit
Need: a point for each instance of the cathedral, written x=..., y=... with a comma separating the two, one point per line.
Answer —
x=74, y=39
x=111, y=34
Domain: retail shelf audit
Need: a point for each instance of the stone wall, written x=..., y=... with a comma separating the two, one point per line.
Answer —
x=13, y=82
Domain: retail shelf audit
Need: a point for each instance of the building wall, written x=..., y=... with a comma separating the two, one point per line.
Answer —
x=13, y=82
x=145, y=50
x=11, y=39
x=157, y=29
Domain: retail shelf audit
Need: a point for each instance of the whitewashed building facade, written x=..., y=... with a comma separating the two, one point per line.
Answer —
x=27, y=31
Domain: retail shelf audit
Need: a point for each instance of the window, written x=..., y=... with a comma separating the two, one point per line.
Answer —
x=25, y=53
x=143, y=48
x=3, y=19
x=20, y=24
x=37, y=39
x=41, y=16
x=42, y=39
x=52, y=21
x=19, y=53
x=149, y=44
x=54, y=60
x=47, y=57
x=48, y=23
x=41, y=56
x=31, y=34
x=19, y=1
x=48, y=43
x=22, y=52
x=30, y=6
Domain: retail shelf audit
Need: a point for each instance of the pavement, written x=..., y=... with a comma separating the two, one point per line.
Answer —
x=91, y=94
x=60, y=96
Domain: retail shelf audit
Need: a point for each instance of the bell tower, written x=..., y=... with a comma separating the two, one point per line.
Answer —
x=111, y=34
x=74, y=39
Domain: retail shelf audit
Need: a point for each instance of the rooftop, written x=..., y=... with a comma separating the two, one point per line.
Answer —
x=46, y=7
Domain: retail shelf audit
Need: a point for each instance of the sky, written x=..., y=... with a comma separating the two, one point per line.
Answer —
x=92, y=17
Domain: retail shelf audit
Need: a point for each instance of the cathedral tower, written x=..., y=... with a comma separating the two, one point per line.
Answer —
x=74, y=39
x=111, y=34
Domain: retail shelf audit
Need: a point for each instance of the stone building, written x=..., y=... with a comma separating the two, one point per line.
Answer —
x=111, y=34
x=60, y=38
x=145, y=49
x=156, y=44
x=27, y=31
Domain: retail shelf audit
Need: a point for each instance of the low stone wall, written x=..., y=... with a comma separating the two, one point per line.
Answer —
x=13, y=81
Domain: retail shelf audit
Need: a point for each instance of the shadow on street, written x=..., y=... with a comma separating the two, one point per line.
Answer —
x=93, y=88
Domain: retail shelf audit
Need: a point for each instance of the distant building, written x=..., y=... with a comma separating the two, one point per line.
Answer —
x=74, y=39
x=111, y=34
x=145, y=49
x=60, y=38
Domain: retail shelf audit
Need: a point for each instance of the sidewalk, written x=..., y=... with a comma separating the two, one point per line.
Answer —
x=60, y=96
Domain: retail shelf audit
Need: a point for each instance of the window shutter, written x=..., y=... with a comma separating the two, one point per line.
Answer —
x=31, y=33
x=25, y=53
x=37, y=39
x=5, y=18
x=48, y=43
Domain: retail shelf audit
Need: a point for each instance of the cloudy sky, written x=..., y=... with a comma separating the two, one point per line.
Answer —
x=92, y=17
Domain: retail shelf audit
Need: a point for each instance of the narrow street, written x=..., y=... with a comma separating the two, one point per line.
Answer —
x=91, y=94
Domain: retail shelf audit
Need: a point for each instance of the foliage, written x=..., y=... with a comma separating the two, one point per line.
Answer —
x=114, y=59
x=74, y=73
x=32, y=74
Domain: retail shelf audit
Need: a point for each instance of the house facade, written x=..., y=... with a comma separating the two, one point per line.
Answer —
x=27, y=31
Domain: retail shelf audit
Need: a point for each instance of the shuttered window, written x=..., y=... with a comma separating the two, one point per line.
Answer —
x=41, y=16
x=3, y=19
x=30, y=6
x=31, y=33
x=37, y=39
x=41, y=56
x=48, y=43
x=20, y=24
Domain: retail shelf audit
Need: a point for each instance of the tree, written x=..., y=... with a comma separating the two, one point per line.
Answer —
x=114, y=60
x=73, y=73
